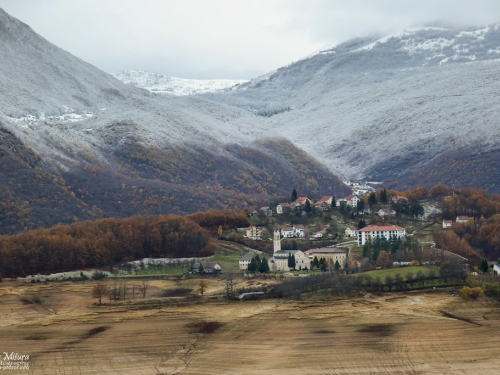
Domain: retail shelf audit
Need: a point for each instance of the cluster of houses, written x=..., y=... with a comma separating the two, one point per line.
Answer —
x=325, y=204
x=459, y=220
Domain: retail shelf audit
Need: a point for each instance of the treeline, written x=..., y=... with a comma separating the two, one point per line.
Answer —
x=481, y=234
x=452, y=242
x=470, y=202
x=338, y=283
x=105, y=242
x=479, y=238
x=212, y=219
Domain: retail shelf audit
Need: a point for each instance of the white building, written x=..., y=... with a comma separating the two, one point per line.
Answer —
x=447, y=224
x=282, y=208
x=352, y=200
x=298, y=230
x=287, y=232
x=351, y=232
x=372, y=232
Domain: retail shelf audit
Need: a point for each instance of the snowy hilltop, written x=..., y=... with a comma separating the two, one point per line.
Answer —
x=168, y=85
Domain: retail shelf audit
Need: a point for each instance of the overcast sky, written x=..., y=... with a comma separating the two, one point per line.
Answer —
x=237, y=39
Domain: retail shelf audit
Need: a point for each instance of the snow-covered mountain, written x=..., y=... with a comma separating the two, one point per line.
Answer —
x=168, y=85
x=76, y=143
x=398, y=108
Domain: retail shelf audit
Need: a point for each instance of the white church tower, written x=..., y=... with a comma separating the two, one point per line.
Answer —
x=277, y=240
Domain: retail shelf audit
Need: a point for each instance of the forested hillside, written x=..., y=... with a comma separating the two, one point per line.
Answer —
x=108, y=242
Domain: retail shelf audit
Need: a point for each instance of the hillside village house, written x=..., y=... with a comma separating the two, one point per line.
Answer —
x=462, y=219
x=385, y=212
x=287, y=232
x=331, y=255
x=246, y=259
x=317, y=235
x=388, y=232
x=254, y=233
x=324, y=203
x=283, y=208
x=399, y=199
x=351, y=232
x=302, y=201
x=266, y=211
x=496, y=269
x=447, y=224
x=352, y=200
x=341, y=202
x=298, y=230
x=279, y=260
x=208, y=267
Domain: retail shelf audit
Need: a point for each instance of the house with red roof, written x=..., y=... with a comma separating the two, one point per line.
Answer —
x=463, y=219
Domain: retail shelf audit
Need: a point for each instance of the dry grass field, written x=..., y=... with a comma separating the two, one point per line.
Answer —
x=63, y=332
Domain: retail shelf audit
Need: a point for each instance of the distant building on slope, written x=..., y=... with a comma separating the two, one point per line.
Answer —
x=371, y=232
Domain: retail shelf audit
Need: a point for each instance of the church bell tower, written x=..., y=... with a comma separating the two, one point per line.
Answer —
x=277, y=240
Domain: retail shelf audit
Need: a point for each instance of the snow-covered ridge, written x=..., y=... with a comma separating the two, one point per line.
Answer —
x=434, y=45
x=168, y=85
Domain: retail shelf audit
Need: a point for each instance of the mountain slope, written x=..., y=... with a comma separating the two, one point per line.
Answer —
x=380, y=108
x=93, y=146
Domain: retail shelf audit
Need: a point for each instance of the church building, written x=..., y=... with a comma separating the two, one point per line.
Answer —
x=280, y=258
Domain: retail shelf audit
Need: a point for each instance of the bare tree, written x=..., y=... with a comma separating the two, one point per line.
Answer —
x=98, y=291
x=144, y=287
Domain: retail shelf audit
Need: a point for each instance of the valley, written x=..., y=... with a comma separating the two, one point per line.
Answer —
x=400, y=333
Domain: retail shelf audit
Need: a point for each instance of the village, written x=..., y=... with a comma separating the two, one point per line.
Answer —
x=342, y=234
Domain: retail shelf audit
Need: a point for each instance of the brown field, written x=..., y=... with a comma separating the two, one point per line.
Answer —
x=406, y=333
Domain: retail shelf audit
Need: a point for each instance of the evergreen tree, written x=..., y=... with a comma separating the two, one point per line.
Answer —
x=337, y=265
x=361, y=224
x=307, y=206
x=372, y=200
x=383, y=196
x=315, y=263
x=289, y=264
x=361, y=205
x=322, y=264
x=484, y=266
x=334, y=203
x=293, y=263
x=254, y=264
x=200, y=268
x=264, y=266
x=294, y=195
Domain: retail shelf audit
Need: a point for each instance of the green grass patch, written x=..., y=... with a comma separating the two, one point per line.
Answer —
x=402, y=271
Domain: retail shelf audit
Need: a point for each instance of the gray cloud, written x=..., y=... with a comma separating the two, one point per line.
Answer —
x=225, y=38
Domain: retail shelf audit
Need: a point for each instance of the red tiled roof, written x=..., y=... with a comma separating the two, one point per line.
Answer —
x=372, y=228
x=288, y=229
